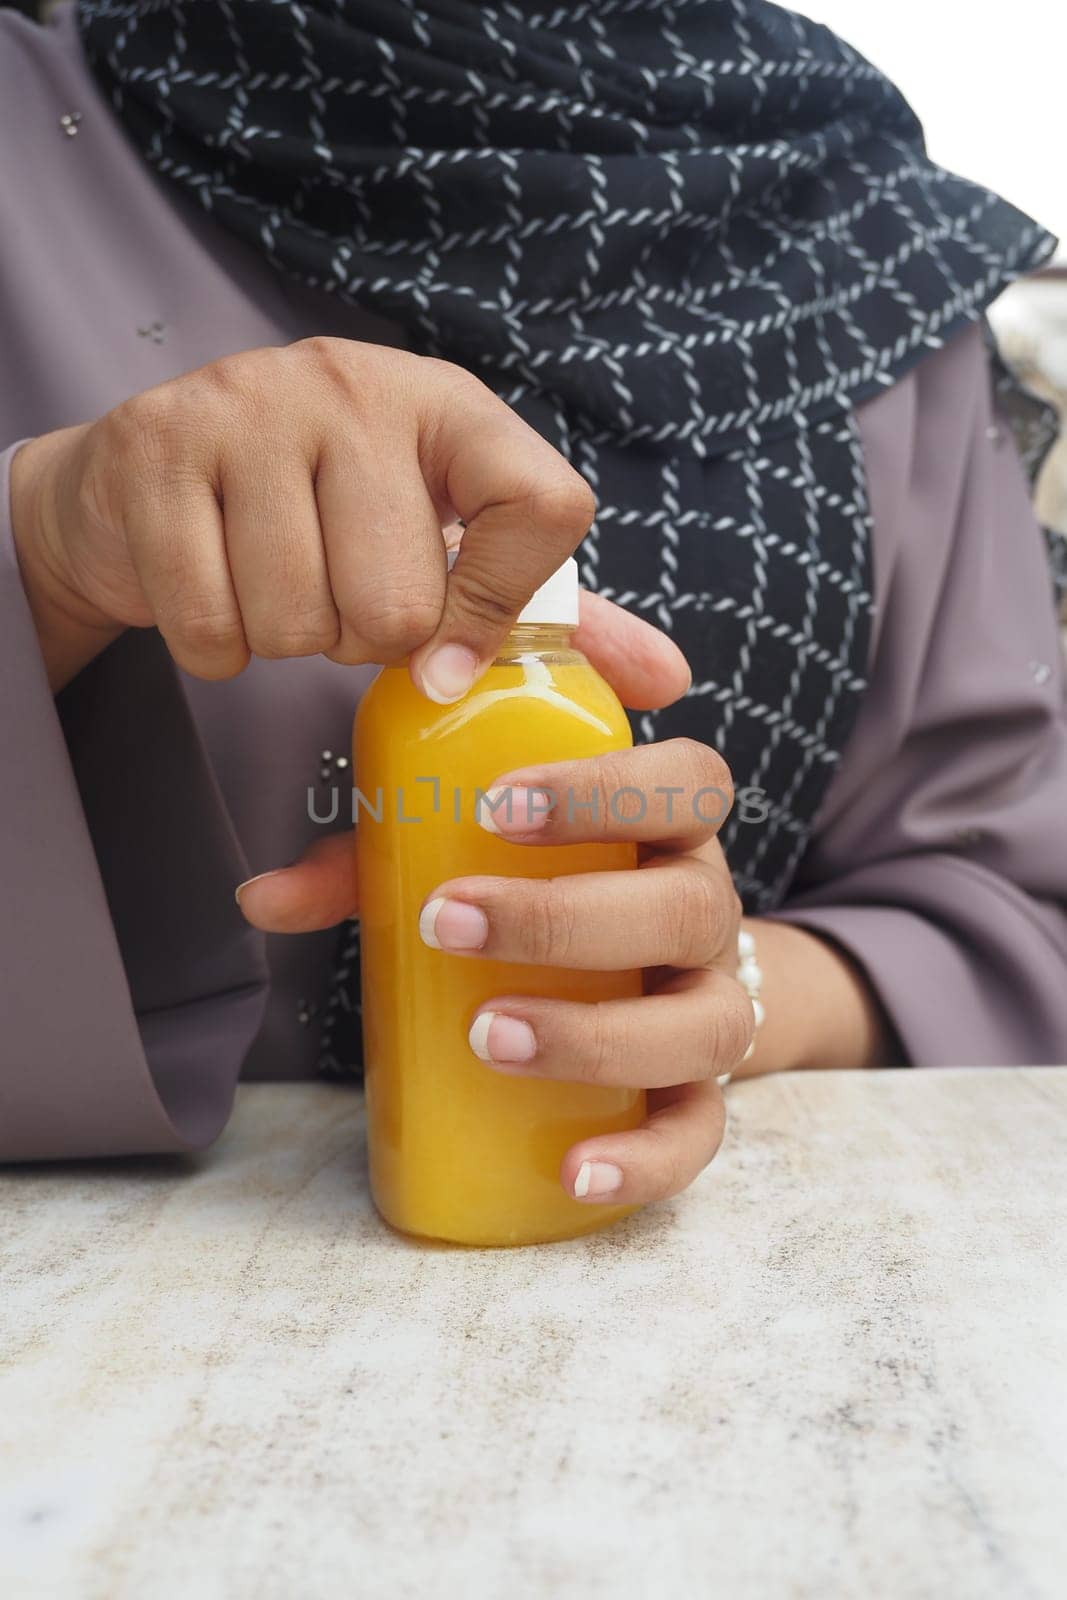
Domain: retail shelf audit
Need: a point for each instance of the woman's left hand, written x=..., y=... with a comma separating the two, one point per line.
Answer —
x=677, y=916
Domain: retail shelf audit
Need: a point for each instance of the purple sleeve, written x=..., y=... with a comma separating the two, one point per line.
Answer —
x=939, y=860
x=130, y=987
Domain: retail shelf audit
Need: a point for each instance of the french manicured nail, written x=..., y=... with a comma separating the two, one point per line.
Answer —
x=596, y=1180
x=501, y=1040
x=241, y=887
x=506, y=810
x=453, y=925
x=448, y=673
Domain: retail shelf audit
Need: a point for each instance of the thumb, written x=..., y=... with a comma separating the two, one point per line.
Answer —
x=645, y=668
x=317, y=891
x=525, y=509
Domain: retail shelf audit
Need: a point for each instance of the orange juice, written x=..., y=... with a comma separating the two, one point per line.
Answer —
x=458, y=1151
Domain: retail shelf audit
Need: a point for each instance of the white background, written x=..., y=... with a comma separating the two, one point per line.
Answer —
x=988, y=81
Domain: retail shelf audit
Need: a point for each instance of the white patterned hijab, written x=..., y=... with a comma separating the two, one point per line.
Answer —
x=682, y=239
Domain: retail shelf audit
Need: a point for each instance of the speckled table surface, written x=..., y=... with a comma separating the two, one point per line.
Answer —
x=834, y=1368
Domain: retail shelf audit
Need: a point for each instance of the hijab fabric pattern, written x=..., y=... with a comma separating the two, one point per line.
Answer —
x=682, y=239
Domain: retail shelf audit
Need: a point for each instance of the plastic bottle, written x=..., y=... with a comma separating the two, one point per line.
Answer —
x=458, y=1151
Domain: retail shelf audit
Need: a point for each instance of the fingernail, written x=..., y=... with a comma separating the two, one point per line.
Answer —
x=505, y=810
x=448, y=673
x=596, y=1179
x=453, y=925
x=501, y=1040
x=241, y=887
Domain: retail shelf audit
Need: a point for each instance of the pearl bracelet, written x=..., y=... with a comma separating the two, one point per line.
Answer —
x=750, y=977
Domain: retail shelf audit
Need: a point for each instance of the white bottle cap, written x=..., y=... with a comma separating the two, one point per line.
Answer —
x=555, y=602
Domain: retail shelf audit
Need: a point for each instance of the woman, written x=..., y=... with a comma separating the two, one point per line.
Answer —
x=253, y=256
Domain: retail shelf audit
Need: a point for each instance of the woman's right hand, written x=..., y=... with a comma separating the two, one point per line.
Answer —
x=289, y=502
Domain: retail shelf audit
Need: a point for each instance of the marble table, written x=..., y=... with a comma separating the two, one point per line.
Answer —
x=834, y=1368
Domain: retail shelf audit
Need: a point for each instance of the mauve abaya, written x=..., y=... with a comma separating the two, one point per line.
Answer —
x=132, y=994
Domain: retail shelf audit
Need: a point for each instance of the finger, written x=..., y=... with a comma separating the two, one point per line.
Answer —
x=276, y=555
x=676, y=793
x=384, y=550
x=695, y=1026
x=177, y=546
x=675, y=911
x=644, y=667
x=318, y=891
x=525, y=507
x=659, y=1159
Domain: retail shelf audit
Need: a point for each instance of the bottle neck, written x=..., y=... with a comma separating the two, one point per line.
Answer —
x=535, y=638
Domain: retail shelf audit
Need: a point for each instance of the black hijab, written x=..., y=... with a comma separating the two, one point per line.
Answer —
x=683, y=240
